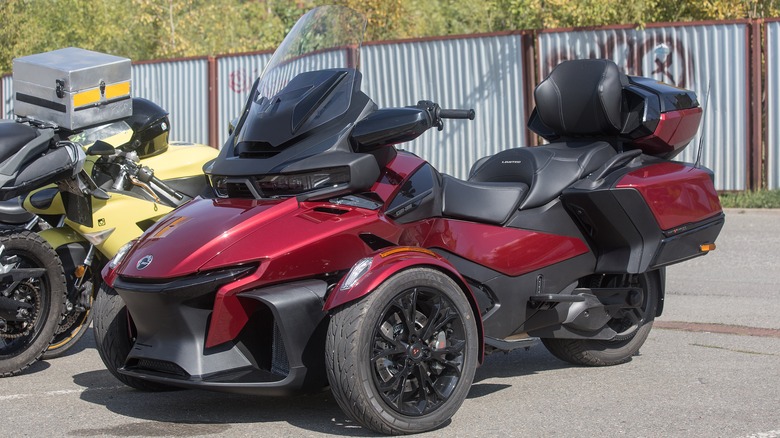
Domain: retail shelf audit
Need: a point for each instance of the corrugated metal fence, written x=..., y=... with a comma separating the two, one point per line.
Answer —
x=490, y=74
x=6, y=98
x=485, y=74
x=772, y=53
x=709, y=59
x=181, y=87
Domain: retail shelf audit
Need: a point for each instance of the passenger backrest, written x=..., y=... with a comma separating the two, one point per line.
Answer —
x=581, y=98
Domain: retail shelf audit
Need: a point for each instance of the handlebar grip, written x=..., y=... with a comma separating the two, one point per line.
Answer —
x=457, y=114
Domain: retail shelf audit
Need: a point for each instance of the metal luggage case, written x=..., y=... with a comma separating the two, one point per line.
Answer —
x=73, y=88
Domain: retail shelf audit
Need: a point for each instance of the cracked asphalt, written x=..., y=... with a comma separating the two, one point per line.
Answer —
x=710, y=367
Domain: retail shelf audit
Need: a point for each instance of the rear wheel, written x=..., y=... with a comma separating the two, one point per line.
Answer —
x=631, y=325
x=114, y=337
x=31, y=306
x=402, y=359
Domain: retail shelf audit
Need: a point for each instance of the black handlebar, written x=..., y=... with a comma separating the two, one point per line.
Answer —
x=456, y=114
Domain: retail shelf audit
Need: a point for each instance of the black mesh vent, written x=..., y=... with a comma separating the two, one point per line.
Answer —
x=159, y=366
x=279, y=363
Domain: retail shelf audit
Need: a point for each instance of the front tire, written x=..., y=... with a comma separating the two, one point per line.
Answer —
x=22, y=342
x=114, y=337
x=632, y=327
x=401, y=360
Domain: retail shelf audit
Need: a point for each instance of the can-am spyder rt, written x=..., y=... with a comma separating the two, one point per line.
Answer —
x=328, y=256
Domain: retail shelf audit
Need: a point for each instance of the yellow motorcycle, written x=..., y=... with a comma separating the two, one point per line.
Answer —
x=132, y=176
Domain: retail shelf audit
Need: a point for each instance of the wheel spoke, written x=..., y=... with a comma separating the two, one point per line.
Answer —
x=387, y=352
x=424, y=382
x=397, y=381
x=438, y=320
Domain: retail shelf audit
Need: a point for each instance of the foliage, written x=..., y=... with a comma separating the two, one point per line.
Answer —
x=750, y=199
x=152, y=29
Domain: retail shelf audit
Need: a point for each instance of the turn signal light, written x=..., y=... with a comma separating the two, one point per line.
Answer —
x=707, y=247
x=80, y=270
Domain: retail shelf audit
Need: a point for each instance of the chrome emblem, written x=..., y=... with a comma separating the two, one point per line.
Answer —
x=144, y=262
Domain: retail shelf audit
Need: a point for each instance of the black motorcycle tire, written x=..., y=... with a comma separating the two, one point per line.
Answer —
x=114, y=339
x=17, y=355
x=597, y=353
x=355, y=334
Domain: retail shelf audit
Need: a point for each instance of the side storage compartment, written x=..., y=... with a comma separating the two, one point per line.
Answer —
x=642, y=218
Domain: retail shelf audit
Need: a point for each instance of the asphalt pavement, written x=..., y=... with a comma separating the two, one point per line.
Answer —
x=710, y=368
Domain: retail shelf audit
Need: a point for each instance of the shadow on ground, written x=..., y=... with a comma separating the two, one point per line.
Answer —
x=197, y=413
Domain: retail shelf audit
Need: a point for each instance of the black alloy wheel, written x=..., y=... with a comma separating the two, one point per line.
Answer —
x=418, y=351
x=402, y=358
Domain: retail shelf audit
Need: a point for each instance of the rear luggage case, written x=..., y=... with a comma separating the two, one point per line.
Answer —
x=72, y=88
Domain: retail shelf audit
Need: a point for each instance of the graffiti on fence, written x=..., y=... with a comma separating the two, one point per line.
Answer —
x=241, y=80
x=662, y=57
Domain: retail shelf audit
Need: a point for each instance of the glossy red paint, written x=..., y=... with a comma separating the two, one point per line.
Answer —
x=311, y=240
x=191, y=236
x=674, y=131
x=510, y=251
x=677, y=193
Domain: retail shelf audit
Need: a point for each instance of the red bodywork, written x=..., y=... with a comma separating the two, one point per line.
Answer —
x=675, y=130
x=291, y=240
x=677, y=194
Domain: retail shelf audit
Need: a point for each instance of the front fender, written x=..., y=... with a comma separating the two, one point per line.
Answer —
x=389, y=262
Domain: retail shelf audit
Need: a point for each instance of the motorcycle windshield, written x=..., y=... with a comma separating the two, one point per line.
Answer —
x=307, y=82
x=115, y=134
x=326, y=37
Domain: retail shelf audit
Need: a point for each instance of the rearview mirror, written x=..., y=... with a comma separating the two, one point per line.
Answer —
x=101, y=148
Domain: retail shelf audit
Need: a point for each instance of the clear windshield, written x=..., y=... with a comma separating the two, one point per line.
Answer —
x=325, y=37
x=115, y=134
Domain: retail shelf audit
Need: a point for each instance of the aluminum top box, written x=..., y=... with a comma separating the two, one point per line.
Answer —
x=73, y=88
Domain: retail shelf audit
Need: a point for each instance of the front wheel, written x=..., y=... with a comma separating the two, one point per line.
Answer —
x=78, y=317
x=30, y=308
x=631, y=325
x=401, y=360
x=114, y=337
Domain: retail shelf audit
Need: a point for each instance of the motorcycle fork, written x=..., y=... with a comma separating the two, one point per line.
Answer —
x=83, y=299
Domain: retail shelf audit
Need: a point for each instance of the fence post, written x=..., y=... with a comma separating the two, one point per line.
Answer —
x=213, y=110
x=529, y=81
x=756, y=162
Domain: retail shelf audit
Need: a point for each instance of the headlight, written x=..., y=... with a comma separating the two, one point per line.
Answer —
x=279, y=185
x=219, y=184
x=120, y=255
x=297, y=183
x=358, y=270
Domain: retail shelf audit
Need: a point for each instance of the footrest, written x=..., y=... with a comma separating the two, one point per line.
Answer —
x=556, y=298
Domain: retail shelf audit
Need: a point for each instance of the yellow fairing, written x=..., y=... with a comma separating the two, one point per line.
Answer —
x=125, y=215
x=56, y=237
x=180, y=160
x=129, y=216
x=122, y=218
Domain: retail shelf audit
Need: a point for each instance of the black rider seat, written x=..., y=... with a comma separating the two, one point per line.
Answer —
x=13, y=136
x=581, y=104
